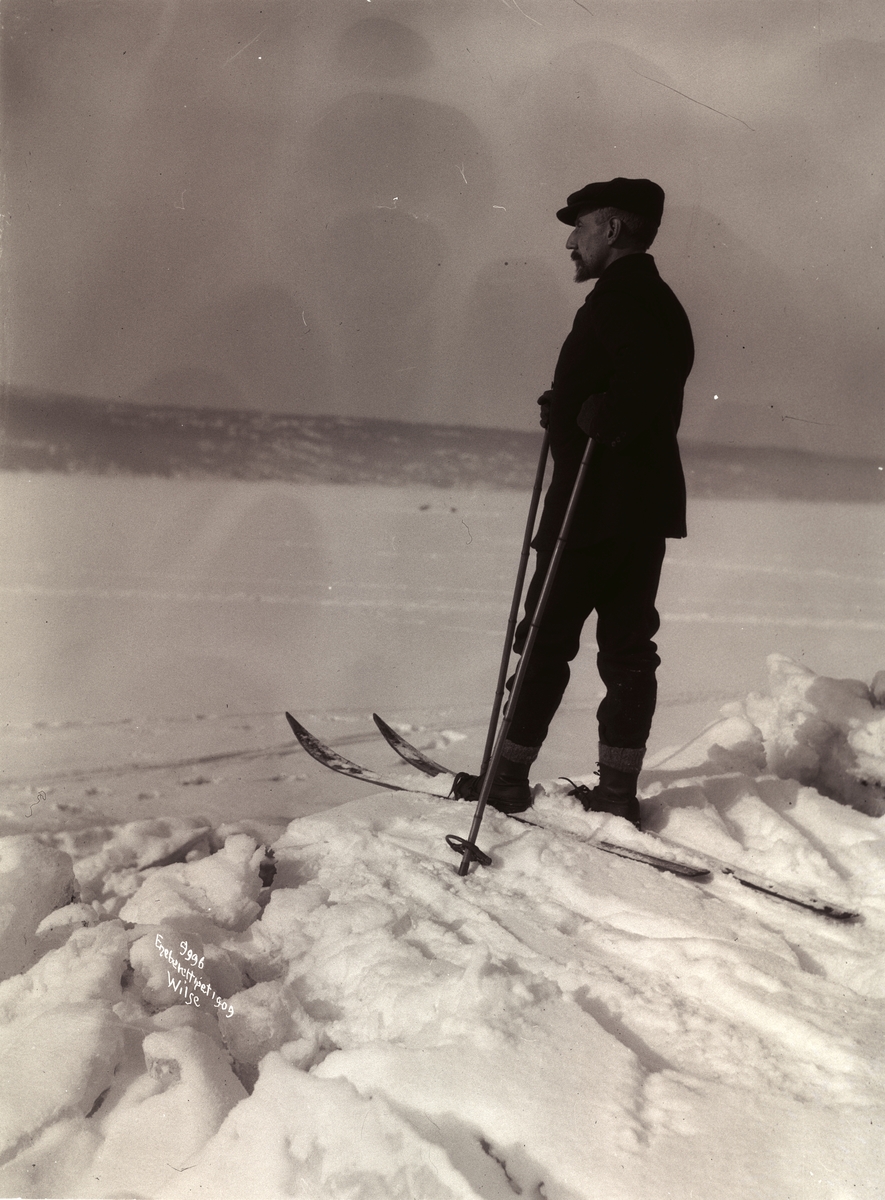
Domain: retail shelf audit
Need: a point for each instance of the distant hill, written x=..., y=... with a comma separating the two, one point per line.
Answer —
x=71, y=434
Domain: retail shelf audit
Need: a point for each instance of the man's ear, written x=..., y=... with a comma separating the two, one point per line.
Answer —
x=613, y=230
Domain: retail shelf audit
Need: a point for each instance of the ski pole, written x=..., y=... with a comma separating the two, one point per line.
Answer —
x=517, y=596
x=469, y=847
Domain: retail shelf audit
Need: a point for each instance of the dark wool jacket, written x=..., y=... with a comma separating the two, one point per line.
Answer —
x=621, y=373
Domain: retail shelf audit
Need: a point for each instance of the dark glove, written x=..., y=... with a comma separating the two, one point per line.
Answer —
x=545, y=402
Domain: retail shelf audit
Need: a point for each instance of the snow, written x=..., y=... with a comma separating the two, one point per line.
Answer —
x=829, y=733
x=34, y=880
x=60, y=1033
x=304, y=999
x=221, y=890
x=563, y=1024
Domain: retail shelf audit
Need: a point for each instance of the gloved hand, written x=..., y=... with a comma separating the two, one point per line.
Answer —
x=545, y=402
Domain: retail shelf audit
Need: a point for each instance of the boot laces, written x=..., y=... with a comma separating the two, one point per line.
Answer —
x=579, y=790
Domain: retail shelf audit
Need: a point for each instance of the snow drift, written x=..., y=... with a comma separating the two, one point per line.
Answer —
x=341, y=1015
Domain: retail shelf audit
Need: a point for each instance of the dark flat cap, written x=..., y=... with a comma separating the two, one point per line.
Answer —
x=639, y=196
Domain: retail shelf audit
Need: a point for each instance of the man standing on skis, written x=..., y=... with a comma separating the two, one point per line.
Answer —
x=619, y=380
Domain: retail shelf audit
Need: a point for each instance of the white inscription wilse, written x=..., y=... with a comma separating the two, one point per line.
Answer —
x=190, y=986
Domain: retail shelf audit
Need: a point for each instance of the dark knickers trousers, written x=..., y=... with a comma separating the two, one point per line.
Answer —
x=618, y=578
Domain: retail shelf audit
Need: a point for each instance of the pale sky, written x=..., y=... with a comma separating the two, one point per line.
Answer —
x=347, y=206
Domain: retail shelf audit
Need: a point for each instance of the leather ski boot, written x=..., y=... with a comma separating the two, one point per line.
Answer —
x=510, y=793
x=614, y=794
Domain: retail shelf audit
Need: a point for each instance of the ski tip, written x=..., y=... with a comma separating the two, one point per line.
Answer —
x=412, y=755
x=296, y=726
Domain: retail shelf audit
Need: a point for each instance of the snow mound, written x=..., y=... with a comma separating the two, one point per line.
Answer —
x=221, y=889
x=34, y=881
x=167, y=1113
x=563, y=1024
x=101, y=849
x=58, y=1031
x=828, y=734
x=312, y=1138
